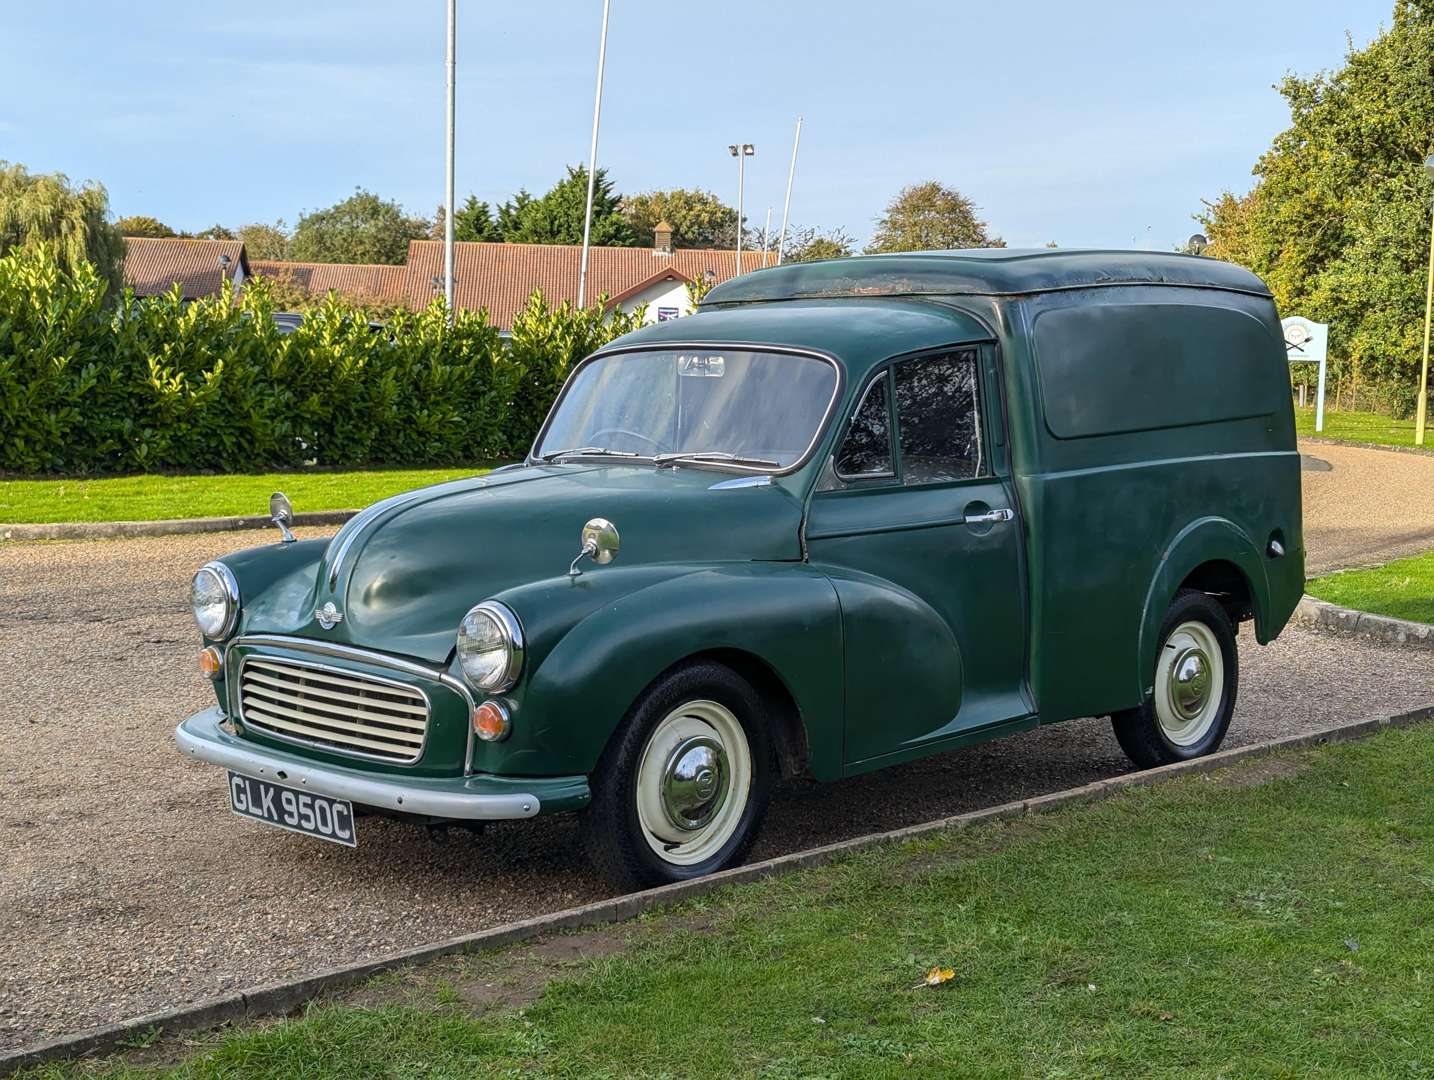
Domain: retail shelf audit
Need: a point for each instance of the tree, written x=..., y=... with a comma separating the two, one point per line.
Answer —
x=809, y=245
x=511, y=213
x=557, y=217
x=144, y=225
x=361, y=229
x=214, y=232
x=930, y=217
x=263, y=241
x=471, y=221
x=72, y=223
x=1337, y=223
x=698, y=218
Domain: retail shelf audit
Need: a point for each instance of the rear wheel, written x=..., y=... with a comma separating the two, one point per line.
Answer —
x=682, y=789
x=1196, y=679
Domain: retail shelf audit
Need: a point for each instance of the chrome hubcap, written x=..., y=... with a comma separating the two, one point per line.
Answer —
x=1190, y=682
x=695, y=782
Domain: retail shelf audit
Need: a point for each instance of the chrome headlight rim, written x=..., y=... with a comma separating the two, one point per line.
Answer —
x=230, y=585
x=511, y=630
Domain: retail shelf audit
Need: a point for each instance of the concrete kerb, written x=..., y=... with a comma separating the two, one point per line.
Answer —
x=1380, y=628
x=280, y=998
x=115, y=530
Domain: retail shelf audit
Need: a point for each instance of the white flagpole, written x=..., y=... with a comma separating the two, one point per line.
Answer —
x=448, y=172
x=787, y=205
x=592, y=159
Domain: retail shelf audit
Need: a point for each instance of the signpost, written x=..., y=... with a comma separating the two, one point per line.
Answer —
x=1307, y=342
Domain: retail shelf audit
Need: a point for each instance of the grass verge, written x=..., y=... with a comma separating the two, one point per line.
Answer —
x=1270, y=920
x=1356, y=427
x=1403, y=589
x=151, y=498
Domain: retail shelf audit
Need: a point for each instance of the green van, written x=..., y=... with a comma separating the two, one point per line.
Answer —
x=850, y=514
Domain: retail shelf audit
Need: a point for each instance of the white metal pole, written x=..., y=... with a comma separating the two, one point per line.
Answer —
x=448, y=167
x=787, y=205
x=592, y=159
x=766, y=236
x=741, y=178
x=1319, y=398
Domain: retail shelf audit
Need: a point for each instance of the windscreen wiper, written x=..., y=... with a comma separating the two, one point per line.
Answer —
x=594, y=451
x=714, y=457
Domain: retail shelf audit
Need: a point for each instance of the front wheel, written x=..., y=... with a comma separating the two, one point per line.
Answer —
x=1197, y=675
x=682, y=789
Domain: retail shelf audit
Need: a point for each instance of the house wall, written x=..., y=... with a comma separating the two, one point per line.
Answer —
x=667, y=294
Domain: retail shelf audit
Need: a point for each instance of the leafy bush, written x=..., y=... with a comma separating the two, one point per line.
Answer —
x=159, y=384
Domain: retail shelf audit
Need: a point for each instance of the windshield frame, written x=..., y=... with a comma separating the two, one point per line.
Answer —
x=838, y=387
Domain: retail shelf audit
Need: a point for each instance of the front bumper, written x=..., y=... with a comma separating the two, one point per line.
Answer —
x=466, y=798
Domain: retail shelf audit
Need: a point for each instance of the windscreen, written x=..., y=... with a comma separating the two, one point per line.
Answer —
x=742, y=404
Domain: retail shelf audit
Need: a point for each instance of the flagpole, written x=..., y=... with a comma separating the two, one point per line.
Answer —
x=787, y=205
x=592, y=159
x=448, y=169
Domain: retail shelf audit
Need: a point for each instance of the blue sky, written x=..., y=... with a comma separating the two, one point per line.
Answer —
x=1087, y=124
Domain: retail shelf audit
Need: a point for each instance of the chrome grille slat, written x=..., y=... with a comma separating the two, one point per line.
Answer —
x=335, y=709
x=407, y=715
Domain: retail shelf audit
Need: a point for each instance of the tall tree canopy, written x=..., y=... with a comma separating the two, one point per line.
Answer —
x=362, y=229
x=930, y=217
x=557, y=217
x=263, y=241
x=809, y=245
x=472, y=221
x=698, y=218
x=73, y=222
x=1338, y=220
x=144, y=225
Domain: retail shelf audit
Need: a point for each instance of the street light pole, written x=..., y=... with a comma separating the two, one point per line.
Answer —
x=741, y=151
x=448, y=166
x=592, y=159
x=1422, y=408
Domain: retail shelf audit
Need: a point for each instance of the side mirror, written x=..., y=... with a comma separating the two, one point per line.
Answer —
x=600, y=543
x=281, y=513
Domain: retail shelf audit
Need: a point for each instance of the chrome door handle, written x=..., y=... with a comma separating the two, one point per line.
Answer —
x=990, y=517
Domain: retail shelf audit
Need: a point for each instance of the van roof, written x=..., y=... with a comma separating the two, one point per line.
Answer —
x=981, y=272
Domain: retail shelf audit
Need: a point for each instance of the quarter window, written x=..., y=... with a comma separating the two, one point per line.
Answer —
x=938, y=422
x=866, y=450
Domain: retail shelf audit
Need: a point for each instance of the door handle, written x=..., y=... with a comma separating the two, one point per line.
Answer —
x=990, y=517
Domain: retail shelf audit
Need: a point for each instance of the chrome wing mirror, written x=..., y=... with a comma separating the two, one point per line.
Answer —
x=281, y=513
x=600, y=543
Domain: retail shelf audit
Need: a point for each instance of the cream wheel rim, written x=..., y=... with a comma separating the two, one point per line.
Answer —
x=693, y=781
x=1189, y=683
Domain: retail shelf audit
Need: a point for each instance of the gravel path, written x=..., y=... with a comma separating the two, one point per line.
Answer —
x=1367, y=508
x=127, y=886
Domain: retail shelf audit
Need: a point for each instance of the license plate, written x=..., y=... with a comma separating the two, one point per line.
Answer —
x=297, y=811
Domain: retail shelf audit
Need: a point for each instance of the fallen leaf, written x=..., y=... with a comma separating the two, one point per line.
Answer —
x=936, y=976
x=1167, y=1017
x=1351, y=944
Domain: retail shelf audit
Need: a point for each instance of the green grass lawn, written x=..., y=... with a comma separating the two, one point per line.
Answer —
x=1215, y=926
x=1359, y=427
x=1403, y=589
x=148, y=498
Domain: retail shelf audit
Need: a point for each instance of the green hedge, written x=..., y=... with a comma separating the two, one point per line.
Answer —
x=143, y=385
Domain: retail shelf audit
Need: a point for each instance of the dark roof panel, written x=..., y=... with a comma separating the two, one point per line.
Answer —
x=981, y=272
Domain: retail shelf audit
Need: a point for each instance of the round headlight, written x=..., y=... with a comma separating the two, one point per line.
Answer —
x=214, y=597
x=490, y=647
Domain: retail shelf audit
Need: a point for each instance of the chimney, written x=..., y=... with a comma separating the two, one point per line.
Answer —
x=662, y=238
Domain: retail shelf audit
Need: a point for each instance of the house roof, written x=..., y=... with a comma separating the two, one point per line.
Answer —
x=372, y=282
x=501, y=277
x=982, y=272
x=153, y=265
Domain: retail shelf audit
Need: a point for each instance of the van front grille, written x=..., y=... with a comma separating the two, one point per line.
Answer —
x=333, y=709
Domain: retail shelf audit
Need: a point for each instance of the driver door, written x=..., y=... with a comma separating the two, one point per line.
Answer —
x=916, y=525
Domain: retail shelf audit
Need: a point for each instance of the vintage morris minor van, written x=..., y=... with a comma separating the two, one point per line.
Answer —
x=849, y=514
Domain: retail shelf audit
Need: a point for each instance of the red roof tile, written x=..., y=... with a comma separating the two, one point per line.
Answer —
x=153, y=265
x=501, y=277
x=371, y=282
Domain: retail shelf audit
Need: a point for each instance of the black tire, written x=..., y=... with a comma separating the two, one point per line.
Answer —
x=1139, y=731
x=611, y=828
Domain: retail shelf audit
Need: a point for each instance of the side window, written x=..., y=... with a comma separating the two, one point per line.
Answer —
x=938, y=418
x=866, y=450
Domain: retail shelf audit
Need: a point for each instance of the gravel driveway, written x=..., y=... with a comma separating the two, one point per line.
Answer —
x=127, y=886
x=1365, y=507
